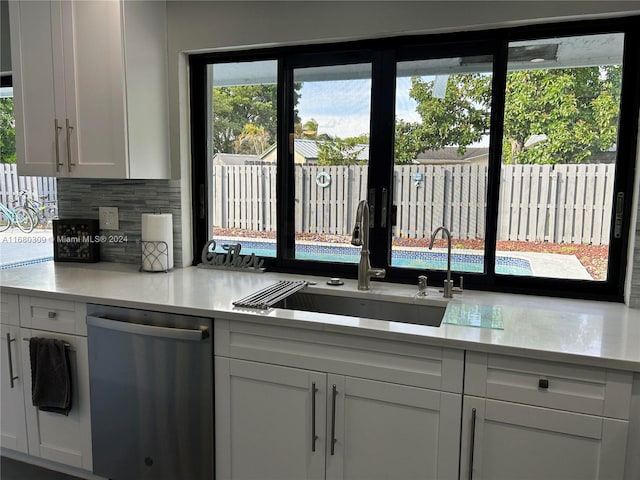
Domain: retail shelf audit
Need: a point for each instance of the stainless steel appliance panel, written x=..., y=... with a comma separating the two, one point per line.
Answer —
x=151, y=378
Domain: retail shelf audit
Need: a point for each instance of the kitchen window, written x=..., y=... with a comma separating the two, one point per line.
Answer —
x=519, y=141
x=443, y=116
x=242, y=125
x=557, y=184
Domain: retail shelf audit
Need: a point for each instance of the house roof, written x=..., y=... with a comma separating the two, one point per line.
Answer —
x=309, y=149
x=236, y=159
x=450, y=154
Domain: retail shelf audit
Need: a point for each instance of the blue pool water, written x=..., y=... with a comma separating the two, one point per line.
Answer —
x=23, y=263
x=428, y=260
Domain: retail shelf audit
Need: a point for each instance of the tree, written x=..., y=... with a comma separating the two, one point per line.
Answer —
x=575, y=108
x=339, y=151
x=236, y=107
x=307, y=130
x=7, y=131
x=245, y=110
x=460, y=118
x=253, y=140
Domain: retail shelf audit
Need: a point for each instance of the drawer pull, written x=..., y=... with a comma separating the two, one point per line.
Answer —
x=52, y=314
x=543, y=383
x=12, y=377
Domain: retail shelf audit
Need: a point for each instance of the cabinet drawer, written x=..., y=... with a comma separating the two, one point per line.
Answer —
x=54, y=315
x=575, y=388
x=355, y=355
x=9, y=310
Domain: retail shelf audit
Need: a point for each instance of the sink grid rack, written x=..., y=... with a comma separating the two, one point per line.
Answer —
x=269, y=296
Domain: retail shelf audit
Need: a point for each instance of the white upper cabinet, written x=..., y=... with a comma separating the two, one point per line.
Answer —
x=90, y=88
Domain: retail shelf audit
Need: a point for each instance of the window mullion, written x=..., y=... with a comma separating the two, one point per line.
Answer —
x=382, y=152
x=199, y=170
x=495, y=155
x=285, y=173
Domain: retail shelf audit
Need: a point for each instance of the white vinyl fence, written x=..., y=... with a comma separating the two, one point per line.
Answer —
x=11, y=184
x=553, y=203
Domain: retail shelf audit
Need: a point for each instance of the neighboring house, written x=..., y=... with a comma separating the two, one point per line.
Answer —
x=306, y=152
x=450, y=156
x=601, y=157
x=236, y=159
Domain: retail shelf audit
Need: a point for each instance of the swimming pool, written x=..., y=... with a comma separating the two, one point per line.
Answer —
x=420, y=259
x=23, y=263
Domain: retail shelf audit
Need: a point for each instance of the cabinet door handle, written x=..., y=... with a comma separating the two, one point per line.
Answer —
x=12, y=378
x=314, y=437
x=334, y=394
x=69, y=129
x=52, y=315
x=56, y=132
x=472, y=443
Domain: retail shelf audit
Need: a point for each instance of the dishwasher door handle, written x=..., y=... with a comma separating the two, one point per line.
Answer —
x=195, y=335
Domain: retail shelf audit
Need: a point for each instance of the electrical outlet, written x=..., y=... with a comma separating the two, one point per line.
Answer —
x=108, y=218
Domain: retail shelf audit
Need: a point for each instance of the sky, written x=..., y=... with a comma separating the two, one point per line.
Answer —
x=342, y=107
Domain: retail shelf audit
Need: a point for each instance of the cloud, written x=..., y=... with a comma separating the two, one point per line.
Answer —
x=343, y=107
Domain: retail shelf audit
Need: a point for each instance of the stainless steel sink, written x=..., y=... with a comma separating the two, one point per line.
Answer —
x=417, y=313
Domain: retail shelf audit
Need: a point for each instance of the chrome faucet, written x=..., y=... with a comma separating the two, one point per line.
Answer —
x=360, y=237
x=448, y=283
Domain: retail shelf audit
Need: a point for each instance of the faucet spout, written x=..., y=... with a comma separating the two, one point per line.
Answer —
x=360, y=238
x=448, y=284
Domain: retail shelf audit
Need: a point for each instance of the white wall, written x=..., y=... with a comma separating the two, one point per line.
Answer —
x=219, y=25
x=632, y=283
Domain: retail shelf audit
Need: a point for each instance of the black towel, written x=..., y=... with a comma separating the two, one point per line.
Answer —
x=50, y=375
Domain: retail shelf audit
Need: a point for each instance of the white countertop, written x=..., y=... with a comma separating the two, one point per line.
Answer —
x=586, y=332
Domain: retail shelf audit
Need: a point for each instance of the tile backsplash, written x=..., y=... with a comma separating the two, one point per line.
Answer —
x=80, y=198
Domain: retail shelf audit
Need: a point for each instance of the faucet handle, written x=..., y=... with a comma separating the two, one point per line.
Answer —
x=422, y=285
x=459, y=289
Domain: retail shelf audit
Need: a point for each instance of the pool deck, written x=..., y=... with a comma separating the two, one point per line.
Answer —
x=551, y=265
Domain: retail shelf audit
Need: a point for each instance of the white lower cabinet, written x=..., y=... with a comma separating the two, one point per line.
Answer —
x=508, y=441
x=384, y=430
x=13, y=427
x=526, y=419
x=279, y=423
x=64, y=439
x=265, y=420
x=53, y=436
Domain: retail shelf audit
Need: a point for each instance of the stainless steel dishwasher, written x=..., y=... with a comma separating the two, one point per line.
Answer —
x=151, y=379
